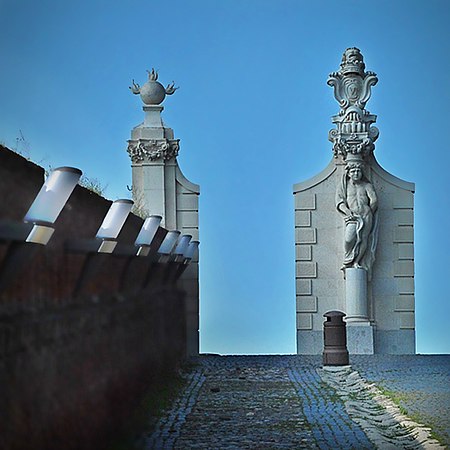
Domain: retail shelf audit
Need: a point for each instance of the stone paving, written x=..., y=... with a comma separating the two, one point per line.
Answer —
x=289, y=402
x=419, y=383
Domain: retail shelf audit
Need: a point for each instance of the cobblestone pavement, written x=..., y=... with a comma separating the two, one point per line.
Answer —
x=278, y=402
x=419, y=383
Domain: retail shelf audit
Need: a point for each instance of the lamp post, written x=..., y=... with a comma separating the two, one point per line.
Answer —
x=176, y=258
x=104, y=241
x=147, y=234
x=181, y=247
x=146, y=244
x=188, y=255
x=168, y=245
x=37, y=228
x=191, y=250
x=162, y=257
x=49, y=203
x=112, y=224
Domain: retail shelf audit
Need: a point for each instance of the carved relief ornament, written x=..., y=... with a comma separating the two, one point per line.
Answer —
x=152, y=150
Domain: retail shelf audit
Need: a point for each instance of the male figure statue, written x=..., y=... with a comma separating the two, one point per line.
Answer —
x=357, y=201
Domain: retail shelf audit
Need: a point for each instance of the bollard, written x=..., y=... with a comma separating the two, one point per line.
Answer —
x=335, y=351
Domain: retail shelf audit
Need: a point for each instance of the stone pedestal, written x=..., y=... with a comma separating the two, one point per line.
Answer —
x=153, y=119
x=360, y=338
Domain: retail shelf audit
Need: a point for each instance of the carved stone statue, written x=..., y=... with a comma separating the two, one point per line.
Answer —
x=356, y=199
x=353, y=142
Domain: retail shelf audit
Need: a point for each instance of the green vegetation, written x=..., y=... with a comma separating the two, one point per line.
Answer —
x=139, y=209
x=400, y=398
x=22, y=148
x=93, y=184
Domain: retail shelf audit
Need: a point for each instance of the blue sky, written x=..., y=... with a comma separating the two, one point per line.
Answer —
x=253, y=114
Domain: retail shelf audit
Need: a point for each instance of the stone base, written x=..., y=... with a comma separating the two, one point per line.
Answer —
x=395, y=342
x=388, y=342
x=309, y=342
x=360, y=338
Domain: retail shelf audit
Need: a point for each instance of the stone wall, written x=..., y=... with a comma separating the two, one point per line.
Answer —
x=354, y=232
x=72, y=368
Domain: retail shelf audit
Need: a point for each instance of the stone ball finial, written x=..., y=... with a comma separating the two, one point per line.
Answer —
x=153, y=92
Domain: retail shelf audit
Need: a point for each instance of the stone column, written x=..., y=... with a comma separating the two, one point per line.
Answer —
x=360, y=331
x=356, y=295
x=160, y=188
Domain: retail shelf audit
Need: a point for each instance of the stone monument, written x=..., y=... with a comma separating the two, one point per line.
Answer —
x=160, y=188
x=354, y=234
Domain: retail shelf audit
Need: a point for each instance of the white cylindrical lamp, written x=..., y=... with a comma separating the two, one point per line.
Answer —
x=168, y=244
x=112, y=224
x=147, y=234
x=49, y=203
x=191, y=250
x=182, y=246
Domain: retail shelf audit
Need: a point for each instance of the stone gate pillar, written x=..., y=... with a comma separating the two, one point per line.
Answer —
x=159, y=187
x=354, y=233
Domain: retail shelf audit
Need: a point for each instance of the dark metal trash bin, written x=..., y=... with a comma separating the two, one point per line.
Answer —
x=335, y=351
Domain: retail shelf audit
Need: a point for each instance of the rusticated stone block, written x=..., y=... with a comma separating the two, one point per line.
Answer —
x=304, y=321
x=303, y=252
x=305, y=235
x=303, y=286
x=306, y=270
x=306, y=304
x=305, y=201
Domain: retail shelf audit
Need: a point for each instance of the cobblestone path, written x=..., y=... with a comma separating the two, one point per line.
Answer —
x=261, y=402
x=289, y=402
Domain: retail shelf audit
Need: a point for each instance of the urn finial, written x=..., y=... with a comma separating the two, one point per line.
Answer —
x=354, y=133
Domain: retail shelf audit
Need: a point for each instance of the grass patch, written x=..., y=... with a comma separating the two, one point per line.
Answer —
x=399, y=398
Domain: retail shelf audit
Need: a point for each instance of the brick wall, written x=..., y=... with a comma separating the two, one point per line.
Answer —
x=72, y=368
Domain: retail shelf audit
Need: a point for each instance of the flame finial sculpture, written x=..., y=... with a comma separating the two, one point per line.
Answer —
x=152, y=91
